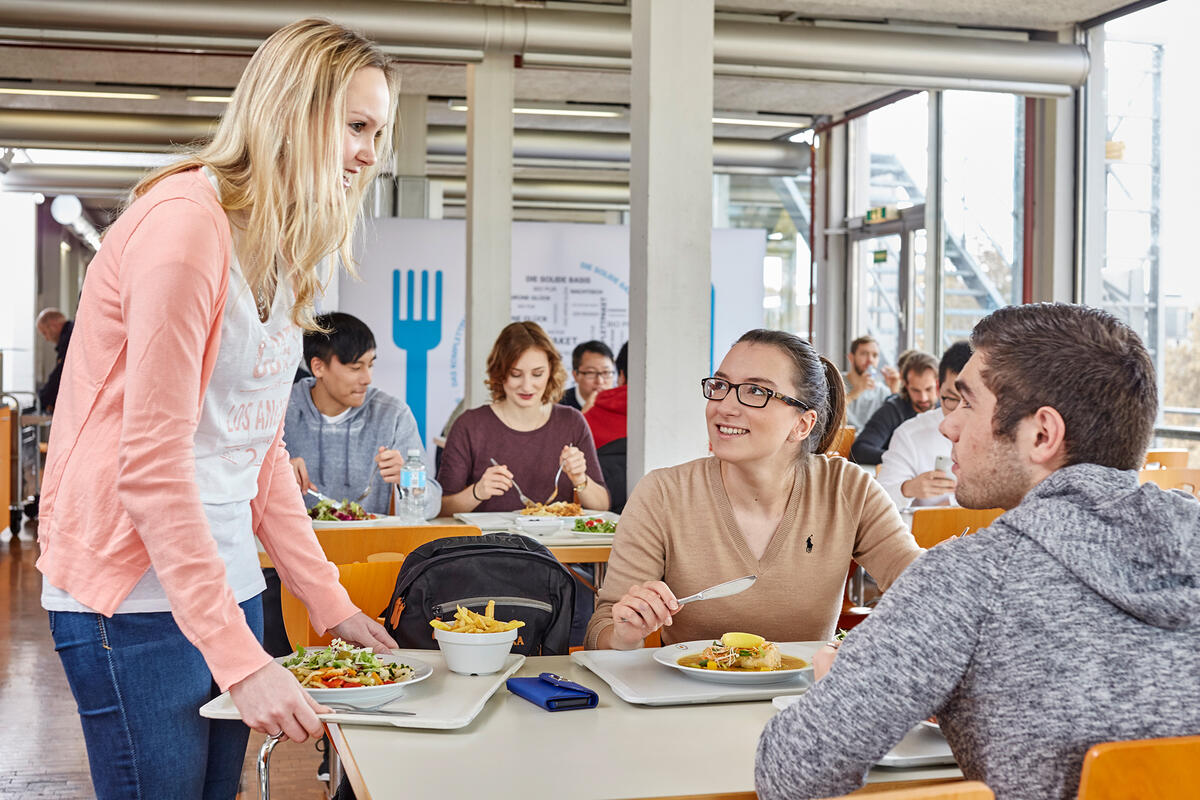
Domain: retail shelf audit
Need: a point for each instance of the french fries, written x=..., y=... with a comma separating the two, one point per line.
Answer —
x=468, y=621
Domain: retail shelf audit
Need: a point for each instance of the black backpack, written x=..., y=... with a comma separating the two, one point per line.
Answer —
x=526, y=581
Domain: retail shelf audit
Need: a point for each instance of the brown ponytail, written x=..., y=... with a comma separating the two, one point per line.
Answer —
x=835, y=402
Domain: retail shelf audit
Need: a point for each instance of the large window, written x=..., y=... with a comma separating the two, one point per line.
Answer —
x=900, y=299
x=889, y=169
x=983, y=175
x=1142, y=173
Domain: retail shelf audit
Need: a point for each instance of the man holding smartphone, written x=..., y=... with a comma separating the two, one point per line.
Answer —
x=916, y=465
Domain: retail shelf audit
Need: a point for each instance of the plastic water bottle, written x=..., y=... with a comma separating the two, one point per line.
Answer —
x=412, y=488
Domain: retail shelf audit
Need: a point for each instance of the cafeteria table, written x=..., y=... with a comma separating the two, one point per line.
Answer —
x=514, y=750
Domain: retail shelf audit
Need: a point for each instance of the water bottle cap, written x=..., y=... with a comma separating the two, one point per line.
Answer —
x=413, y=451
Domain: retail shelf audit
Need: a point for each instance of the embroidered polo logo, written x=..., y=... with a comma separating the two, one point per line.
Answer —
x=808, y=545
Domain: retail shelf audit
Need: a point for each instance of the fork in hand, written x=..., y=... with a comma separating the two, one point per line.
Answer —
x=554, y=494
x=521, y=494
x=367, y=491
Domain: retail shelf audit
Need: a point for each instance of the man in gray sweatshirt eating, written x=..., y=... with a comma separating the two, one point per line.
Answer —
x=1073, y=619
x=342, y=434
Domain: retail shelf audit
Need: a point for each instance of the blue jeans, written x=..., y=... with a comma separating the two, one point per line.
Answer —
x=139, y=684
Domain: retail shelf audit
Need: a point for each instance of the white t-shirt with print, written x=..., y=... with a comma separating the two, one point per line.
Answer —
x=244, y=405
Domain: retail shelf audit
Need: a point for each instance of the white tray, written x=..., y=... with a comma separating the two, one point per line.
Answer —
x=445, y=701
x=382, y=520
x=636, y=677
x=507, y=520
x=922, y=746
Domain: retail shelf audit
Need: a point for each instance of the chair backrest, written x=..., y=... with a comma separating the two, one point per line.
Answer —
x=955, y=790
x=612, y=467
x=369, y=585
x=841, y=445
x=521, y=575
x=1143, y=769
x=347, y=545
x=1186, y=479
x=933, y=525
x=1166, y=457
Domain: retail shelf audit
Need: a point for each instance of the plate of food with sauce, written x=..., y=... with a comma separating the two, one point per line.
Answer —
x=739, y=658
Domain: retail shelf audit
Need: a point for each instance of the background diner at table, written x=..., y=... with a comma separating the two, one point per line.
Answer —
x=522, y=437
x=768, y=502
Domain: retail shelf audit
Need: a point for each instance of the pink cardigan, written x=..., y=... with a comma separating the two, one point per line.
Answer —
x=119, y=492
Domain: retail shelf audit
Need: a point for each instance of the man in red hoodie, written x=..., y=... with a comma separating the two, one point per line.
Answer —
x=608, y=418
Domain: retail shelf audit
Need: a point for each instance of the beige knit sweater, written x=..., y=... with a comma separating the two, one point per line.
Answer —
x=679, y=527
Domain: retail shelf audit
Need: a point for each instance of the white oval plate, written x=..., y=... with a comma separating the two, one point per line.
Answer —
x=669, y=657
x=380, y=519
x=361, y=696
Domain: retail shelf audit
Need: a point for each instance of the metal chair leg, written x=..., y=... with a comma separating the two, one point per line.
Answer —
x=264, y=765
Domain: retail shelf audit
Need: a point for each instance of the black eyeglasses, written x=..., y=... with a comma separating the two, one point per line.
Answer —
x=592, y=373
x=748, y=394
x=950, y=403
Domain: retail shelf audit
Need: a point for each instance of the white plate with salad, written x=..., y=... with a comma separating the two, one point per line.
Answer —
x=343, y=673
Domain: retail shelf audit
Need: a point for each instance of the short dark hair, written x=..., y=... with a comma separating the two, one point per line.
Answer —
x=622, y=361
x=511, y=344
x=914, y=362
x=341, y=335
x=819, y=384
x=953, y=360
x=1084, y=363
x=859, y=342
x=592, y=346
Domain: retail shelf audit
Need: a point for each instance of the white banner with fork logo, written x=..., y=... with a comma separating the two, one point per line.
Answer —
x=572, y=279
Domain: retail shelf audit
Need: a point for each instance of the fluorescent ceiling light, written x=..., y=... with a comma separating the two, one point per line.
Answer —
x=761, y=121
x=552, y=111
x=209, y=98
x=79, y=93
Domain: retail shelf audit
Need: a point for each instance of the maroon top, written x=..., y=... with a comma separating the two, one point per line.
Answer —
x=531, y=456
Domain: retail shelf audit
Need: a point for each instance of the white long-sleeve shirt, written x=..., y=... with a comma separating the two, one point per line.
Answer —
x=914, y=448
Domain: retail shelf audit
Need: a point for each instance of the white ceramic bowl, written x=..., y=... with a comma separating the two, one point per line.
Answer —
x=475, y=653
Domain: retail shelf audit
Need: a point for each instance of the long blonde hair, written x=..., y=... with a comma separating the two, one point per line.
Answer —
x=277, y=156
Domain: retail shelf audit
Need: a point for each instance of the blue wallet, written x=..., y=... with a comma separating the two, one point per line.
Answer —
x=553, y=693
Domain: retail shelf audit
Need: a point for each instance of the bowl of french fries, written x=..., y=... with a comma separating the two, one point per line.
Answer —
x=474, y=643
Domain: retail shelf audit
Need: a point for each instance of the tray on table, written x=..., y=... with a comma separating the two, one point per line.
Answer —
x=444, y=701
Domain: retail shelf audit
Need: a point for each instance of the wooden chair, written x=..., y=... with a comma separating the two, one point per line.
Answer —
x=1166, y=458
x=1174, y=478
x=841, y=445
x=1143, y=769
x=347, y=545
x=933, y=525
x=370, y=586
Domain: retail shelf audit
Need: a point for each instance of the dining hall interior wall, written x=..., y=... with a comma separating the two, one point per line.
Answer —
x=573, y=279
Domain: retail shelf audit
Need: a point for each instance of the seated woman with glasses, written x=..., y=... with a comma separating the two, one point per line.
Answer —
x=522, y=437
x=768, y=503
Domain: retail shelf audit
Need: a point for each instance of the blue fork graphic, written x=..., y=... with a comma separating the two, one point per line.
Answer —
x=416, y=336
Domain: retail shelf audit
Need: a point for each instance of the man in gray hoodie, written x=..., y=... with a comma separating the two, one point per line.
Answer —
x=343, y=435
x=1073, y=619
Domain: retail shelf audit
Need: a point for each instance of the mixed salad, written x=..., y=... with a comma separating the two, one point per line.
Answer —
x=326, y=511
x=595, y=525
x=343, y=666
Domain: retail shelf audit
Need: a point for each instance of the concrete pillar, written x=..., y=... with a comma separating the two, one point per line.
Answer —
x=489, y=212
x=670, y=231
x=412, y=187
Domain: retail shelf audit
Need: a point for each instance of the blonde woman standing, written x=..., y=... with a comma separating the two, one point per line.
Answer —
x=167, y=457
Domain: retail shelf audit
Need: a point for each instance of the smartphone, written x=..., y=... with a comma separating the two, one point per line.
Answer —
x=943, y=463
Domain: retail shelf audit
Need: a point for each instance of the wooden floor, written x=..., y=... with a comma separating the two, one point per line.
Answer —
x=43, y=754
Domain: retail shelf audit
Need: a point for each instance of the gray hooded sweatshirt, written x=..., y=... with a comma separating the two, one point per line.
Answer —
x=1074, y=619
x=340, y=457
